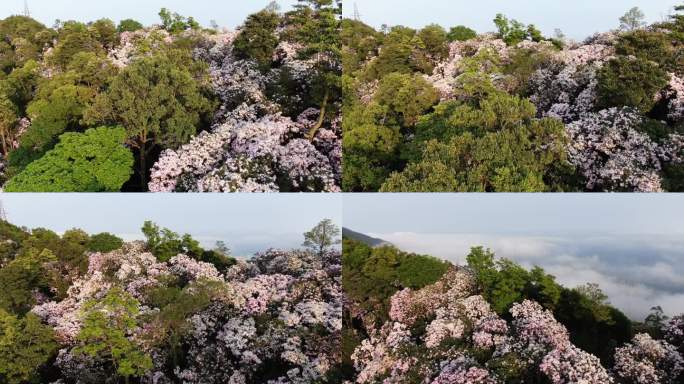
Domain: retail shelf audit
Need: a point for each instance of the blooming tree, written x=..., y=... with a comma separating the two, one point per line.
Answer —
x=645, y=361
x=440, y=333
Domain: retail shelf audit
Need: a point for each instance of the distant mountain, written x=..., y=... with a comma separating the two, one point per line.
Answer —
x=371, y=241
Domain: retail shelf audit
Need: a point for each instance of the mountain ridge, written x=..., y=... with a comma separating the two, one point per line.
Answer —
x=363, y=238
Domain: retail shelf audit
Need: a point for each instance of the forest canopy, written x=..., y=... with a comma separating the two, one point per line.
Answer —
x=91, y=308
x=201, y=109
x=437, y=110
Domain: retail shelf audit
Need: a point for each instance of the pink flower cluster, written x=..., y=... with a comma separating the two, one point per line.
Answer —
x=675, y=93
x=190, y=269
x=564, y=92
x=674, y=332
x=463, y=370
x=456, y=326
x=572, y=365
x=247, y=156
x=407, y=306
x=648, y=361
x=537, y=331
x=283, y=307
x=613, y=156
x=252, y=146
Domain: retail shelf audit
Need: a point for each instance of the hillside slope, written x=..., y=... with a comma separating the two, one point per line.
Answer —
x=490, y=321
x=368, y=240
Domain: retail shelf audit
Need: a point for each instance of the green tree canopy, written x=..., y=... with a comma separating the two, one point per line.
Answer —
x=21, y=39
x=406, y=97
x=396, y=54
x=434, y=42
x=21, y=277
x=632, y=19
x=104, y=242
x=630, y=82
x=129, y=25
x=494, y=144
x=359, y=41
x=461, y=33
x=55, y=113
x=74, y=37
x=157, y=100
x=175, y=23
x=370, y=149
x=105, y=32
x=257, y=39
x=322, y=237
x=9, y=115
x=649, y=45
x=165, y=244
x=106, y=325
x=92, y=161
x=25, y=345
x=513, y=31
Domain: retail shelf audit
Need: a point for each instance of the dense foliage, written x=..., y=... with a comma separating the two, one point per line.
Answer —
x=513, y=110
x=87, y=309
x=256, y=109
x=490, y=322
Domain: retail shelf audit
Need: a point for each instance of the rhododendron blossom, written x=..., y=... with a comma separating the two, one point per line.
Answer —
x=570, y=365
x=612, y=155
x=252, y=146
x=648, y=361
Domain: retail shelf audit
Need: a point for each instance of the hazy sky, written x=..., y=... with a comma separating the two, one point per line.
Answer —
x=577, y=19
x=246, y=222
x=631, y=244
x=229, y=13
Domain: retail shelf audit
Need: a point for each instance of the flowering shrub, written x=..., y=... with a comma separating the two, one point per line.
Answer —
x=645, y=361
x=463, y=370
x=447, y=333
x=280, y=318
x=249, y=156
x=674, y=332
x=613, y=156
x=253, y=146
x=573, y=365
x=280, y=308
x=575, y=83
x=675, y=94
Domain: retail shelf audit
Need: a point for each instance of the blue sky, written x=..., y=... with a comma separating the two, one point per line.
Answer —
x=246, y=222
x=632, y=245
x=229, y=13
x=577, y=19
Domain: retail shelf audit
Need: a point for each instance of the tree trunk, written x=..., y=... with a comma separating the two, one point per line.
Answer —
x=142, y=167
x=319, y=123
x=4, y=144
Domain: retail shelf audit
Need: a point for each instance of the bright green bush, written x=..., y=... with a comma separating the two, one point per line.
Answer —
x=94, y=161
